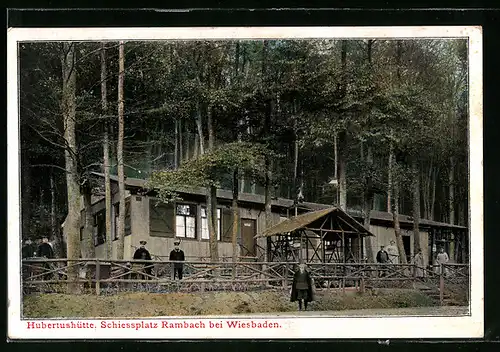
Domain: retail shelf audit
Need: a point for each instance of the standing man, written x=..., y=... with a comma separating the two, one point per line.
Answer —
x=29, y=249
x=302, y=289
x=142, y=253
x=382, y=258
x=45, y=251
x=393, y=253
x=442, y=258
x=177, y=256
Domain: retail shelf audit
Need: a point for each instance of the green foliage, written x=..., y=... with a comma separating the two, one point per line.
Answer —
x=274, y=94
x=210, y=168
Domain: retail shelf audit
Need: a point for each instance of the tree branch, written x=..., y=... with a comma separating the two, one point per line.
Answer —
x=49, y=165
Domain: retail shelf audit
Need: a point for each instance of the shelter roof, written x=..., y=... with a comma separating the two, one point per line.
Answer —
x=304, y=220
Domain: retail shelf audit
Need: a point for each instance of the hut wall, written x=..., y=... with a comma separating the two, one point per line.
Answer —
x=384, y=235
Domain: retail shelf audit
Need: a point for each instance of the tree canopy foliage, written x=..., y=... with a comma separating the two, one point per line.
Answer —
x=195, y=111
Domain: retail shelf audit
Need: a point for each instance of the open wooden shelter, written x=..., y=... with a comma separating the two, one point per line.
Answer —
x=325, y=236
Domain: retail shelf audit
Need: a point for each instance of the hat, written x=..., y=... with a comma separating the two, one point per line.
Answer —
x=142, y=242
x=177, y=242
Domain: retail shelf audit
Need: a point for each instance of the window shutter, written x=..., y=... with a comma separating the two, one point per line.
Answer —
x=161, y=219
x=128, y=226
x=227, y=225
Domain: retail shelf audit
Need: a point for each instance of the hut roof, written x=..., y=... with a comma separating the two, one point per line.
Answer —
x=318, y=219
x=134, y=183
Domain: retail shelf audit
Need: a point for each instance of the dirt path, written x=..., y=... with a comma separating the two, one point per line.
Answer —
x=417, y=311
x=231, y=303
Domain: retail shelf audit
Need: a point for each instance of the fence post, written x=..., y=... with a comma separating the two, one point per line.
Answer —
x=441, y=284
x=285, y=276
x=344, y=273
x=97, y=277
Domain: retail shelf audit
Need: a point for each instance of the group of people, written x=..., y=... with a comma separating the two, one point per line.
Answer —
x=176, y=255
x=43, y=250
x=391, y=256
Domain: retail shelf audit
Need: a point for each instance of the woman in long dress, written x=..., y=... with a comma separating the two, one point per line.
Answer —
x=419, y=264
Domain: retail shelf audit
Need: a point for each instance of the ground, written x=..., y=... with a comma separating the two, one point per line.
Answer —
x=228, y=303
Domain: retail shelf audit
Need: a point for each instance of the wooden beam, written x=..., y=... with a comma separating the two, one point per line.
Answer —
x=343, y=247
x=324, y=222
x=345, y=222
x=328, y=230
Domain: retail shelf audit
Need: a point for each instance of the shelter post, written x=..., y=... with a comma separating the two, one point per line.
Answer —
x=307, y=248
x=360, y=249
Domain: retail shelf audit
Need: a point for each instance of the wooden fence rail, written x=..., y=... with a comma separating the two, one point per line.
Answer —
x=97, y=275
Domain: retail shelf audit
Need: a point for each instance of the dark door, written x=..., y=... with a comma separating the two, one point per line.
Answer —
x=248, y=232
x=406, y=244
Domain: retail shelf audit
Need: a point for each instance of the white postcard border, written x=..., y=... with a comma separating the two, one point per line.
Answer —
x=304, y=327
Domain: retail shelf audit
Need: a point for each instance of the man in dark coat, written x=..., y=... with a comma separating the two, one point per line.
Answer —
x=302, y=289
x=382, y=258
x=29, y=249
x=45, y=251
x=142, y=253
x=177, y=255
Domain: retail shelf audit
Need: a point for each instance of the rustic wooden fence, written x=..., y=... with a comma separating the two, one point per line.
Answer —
x=110, y=276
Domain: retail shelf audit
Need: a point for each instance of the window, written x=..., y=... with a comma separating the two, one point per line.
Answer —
x=100, y=228
x=204, y=224
x=128, y=227
x=185, y=221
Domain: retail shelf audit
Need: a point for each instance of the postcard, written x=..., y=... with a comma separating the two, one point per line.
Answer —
x=245, y=182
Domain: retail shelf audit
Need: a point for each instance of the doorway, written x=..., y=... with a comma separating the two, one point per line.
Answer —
x=248, y=233
x=407, y=246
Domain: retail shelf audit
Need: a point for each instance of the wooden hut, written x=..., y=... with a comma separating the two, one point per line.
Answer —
x=327, y=235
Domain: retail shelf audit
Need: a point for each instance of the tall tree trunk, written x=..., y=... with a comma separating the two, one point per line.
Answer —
x=176, y=144
x=236, y=215
x=196, y=146
x=343, y=135
x=53, y=222
x=120, y=248
x=416, y=205
x=451, y=191
x=342, y=181
x=181, y=143
x=199, y=126
x=107, y=165
x=397, y=227
x=211, y=131
x=367, y=206
x=295, y=151
x=451, y=203
x=53, y=225
x=389, y=176
x=72, y=223
x=211, y=215
x=335, y=157
x=26, y=196
x=187, y=143
x=212, y=198
x=88, y=241
x=433, y=193
x=267, y=194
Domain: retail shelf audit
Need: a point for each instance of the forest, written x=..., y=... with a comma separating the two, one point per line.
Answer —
x=363, y=124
